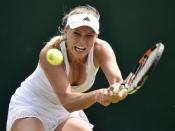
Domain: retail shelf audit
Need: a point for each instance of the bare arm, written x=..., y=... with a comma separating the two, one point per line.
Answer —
x=61, y=85
x=105, y=58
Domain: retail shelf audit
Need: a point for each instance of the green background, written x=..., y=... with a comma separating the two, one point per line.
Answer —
x=130, y=26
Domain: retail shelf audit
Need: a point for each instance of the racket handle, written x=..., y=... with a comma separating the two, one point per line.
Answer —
x=117, y=87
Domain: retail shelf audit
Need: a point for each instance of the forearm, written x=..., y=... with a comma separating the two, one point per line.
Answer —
x=77, y=101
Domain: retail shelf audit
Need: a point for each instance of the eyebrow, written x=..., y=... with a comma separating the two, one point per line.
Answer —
x=91, y=32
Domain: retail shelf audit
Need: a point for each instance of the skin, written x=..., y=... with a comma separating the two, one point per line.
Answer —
x=84, y=38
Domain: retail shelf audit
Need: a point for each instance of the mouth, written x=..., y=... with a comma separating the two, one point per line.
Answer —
x=80, y=49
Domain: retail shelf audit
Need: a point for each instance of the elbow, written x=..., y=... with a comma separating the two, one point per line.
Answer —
x=68, y=107
x=66, y=102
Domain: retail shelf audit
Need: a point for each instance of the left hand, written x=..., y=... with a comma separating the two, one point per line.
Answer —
x=107, y=96
x=116, y=97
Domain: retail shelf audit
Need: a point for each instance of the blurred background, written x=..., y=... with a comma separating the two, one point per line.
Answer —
x=129, y=26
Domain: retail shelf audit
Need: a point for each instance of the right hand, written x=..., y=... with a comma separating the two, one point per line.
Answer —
x=106, y=96
x=102, y=96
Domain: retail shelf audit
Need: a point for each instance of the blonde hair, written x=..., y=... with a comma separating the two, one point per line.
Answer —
x=55, y=41
x=87, y=9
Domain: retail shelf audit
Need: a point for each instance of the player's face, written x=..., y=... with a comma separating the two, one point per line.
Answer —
x=79, y=41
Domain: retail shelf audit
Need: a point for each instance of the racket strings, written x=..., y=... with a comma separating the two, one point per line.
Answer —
x=140, y=76
x=144, y=67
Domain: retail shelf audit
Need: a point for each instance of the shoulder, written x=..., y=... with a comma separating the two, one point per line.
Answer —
x=53, y=43
x=101, y=44
x=102, y=51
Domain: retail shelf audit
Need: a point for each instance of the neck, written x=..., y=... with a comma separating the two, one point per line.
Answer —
x=74, y=60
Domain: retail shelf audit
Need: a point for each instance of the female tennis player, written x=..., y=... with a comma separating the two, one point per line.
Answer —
x=52, y=98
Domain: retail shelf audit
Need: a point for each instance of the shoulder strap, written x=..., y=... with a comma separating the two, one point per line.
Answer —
x=64, y=52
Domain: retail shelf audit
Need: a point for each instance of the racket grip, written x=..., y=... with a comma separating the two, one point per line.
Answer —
x=117, y=87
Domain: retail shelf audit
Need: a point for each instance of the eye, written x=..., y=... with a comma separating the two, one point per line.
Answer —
x=76, y=33
x=90, y=35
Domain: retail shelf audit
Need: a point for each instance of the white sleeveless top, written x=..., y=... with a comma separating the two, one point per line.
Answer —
x=36, y=97
x=37, y=86
x=91, y=70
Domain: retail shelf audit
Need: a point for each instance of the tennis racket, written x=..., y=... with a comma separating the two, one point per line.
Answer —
x=142, y=70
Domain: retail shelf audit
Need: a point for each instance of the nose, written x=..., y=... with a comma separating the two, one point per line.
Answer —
x=82, y=40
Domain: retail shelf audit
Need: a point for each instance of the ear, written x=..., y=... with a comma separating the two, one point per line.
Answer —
x=66, y=29
x=65, y=32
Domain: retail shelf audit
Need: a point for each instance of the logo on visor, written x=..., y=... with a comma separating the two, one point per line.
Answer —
x=86, y=19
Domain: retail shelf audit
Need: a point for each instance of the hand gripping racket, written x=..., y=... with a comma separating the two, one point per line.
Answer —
x=142, y=70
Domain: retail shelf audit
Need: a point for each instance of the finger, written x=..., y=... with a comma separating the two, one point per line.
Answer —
x=115, y=98
x=102, y=96
x=122, y=94
x=105, y=92
x=106, y=104
x=99, y=95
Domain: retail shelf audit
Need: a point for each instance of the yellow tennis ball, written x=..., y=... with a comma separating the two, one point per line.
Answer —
x=54, y=56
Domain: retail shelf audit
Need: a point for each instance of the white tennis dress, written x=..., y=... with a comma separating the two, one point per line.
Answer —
x=36, y=98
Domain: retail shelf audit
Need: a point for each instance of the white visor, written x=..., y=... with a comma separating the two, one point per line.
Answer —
x=78, y=20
